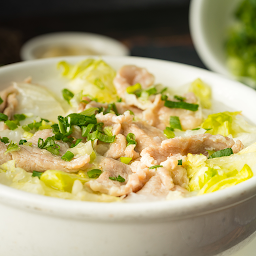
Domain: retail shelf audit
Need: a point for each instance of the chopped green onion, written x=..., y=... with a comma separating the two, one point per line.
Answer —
x=21, y=142
x=221, y=153
x=164, y=97
x=133, y=88
x=155, y=166
x=19, y=117
x=49, y=144
x=11, y=124
x=67, y=156
x=3, y=117
x=37, y=174
x=151, y=90
x=175, y=122
x=1, y=101
x=76, y=143
x=196, y=129
x=93, y=135
x=125, y=160
x=12, y=147
x=181, y=104
x=119, y=99
x=94, y=173
x=119, y=178
x=179, y=98
x=87, y=129
x=105, y=138
x=164, y=90
x=108, y=130
x=67, y=95
x=168, y=132
x=180, y=162
x=5, y=140
x=130, y=138
x=46, y=120
x=111, y=107
x=89, y=111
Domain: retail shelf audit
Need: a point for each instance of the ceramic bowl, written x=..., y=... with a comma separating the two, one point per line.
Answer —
x=209, y=21
x=211, y=224
x=71, y=43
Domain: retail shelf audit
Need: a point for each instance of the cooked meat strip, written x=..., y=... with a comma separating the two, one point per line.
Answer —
x=199, y=144
x=4, y=157
x=44, y=134
x=4, y=95
x=129, y=75
x=113, y=168
x=130, y=152
x=145, y=135
x=11, y=105
x=117, y=148
x=35, y=159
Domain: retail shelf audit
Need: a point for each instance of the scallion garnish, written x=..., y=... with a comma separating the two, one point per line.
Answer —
x=164, y=90
x=175, y=122
x=94, y=173
x=155, y=166
x=67, y=95
x=180, y=162
x=181, y=104
x=168, y=132
x=151, y=90
x=76, y=143
x=111, y=108
x=21, y=142
x=12, y=125
x=164, y=97
x=119, y=178
x=67, y=156
x=19, y=117
x=87, y=129
x=105, y=138
x=130, y=138
x=5, y=140
x=221, y=153
x=37, y=174
x=89, y=111
x=125, y=160
x=133, y=88
x=3, y=117
x=49, y=144
x=1, y=101
x=179, y=98
x=12, y=147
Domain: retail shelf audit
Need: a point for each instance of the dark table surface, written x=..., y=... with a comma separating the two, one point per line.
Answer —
x=161, y=32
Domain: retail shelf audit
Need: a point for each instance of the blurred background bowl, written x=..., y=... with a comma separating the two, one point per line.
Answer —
x=209, y=22
x=71, y=44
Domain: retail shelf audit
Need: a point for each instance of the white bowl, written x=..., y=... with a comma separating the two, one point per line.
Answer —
x=209, y=21
x=206, y=225
x=98, y=44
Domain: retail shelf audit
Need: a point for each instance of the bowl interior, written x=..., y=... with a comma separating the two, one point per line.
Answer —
x=227, y=95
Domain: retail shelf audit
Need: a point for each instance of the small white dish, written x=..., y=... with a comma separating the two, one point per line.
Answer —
x=70, y=44
x=209, y=21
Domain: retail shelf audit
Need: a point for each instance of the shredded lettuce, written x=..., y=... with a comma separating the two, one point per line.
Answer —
x=93, y=77
x=202, y=91
x=209, y=175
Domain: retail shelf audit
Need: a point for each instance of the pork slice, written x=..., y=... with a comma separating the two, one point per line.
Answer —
x=199, y=144
x=130, y=152
x=11, y=105
x=4, y=157
x=113, y=168
x=158, y=185
x=44, y=134
x=129, y=75
x=35, y=159
x=145, y=135
x=117, y=148
x=4, y=95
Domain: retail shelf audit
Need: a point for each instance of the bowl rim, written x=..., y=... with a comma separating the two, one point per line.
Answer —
x=199, y=41
x=145, y=211
x=27, y=49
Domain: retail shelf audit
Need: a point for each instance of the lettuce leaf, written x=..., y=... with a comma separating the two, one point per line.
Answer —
x=202, y=91
x=92, y=77
x=209, y=175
